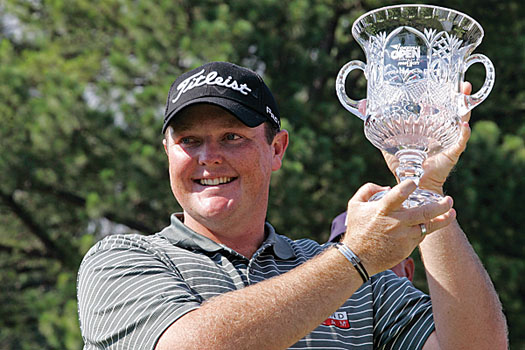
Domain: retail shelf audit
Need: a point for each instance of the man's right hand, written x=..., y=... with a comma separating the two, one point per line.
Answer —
x=382, y=233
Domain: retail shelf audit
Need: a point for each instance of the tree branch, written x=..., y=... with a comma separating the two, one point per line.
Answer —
x=58, y=252
x=79, y=201
x=30, y=253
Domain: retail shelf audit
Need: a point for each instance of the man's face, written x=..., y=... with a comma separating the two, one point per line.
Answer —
x=219, y=168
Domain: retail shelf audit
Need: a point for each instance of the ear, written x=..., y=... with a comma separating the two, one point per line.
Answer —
x=165, y=143
x=279, y=145
x=409, y=268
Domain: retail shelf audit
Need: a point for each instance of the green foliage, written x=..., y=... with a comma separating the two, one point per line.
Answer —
x=81, y=108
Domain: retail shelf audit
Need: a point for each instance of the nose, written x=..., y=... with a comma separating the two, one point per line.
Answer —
x=210, y=153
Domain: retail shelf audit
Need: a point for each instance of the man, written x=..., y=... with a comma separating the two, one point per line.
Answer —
x=405, y=268
x=219, y=277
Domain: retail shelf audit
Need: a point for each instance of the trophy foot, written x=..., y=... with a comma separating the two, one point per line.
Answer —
x=416, y=199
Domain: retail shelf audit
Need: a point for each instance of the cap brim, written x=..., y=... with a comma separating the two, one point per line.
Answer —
x=246, y=115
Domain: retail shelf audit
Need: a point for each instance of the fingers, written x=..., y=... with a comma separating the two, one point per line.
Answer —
x=465, y=131
x=397, y=195
x=442, y=221
x=455, y=151
x=433, y=225
x=366, y=191
x=466, y=88
x=361, y=106
x=463, y=137
x=466, y=117
x=434, y=214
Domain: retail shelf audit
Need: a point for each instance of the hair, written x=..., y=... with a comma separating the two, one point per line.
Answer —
x=270, y=130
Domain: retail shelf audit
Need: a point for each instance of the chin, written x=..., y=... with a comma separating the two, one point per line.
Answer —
x=216, y=208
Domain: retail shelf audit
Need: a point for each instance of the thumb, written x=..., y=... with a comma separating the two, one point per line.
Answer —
x=395, y=198
x=366, y=191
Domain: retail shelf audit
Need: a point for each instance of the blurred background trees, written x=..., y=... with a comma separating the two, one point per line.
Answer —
x=82, y=91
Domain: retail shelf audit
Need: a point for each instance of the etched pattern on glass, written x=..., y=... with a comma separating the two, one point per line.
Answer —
x=417, y=56
x=412, y=106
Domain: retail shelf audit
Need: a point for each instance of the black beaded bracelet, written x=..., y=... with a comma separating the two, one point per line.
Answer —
x=354, y=259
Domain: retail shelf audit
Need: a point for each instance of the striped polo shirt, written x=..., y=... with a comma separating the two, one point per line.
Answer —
x=131, y=288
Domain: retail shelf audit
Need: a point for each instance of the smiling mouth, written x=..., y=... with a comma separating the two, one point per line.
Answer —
x=216, y=181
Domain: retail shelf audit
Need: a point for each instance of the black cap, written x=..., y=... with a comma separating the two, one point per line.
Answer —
x=239, y=90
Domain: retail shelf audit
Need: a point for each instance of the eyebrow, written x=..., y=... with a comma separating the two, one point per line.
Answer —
x=185, y=126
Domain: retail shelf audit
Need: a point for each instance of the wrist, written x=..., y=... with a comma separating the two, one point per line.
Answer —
x=353, y=259
x=436, y=189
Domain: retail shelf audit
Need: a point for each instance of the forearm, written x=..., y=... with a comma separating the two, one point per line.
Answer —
x=466, y=308
x=273, y=314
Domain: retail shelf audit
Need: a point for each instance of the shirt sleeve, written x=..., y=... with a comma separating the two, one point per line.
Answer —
x=128, y=294
x=402, y=314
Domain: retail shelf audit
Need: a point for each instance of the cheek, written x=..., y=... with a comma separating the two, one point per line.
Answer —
x=258, y=166
x=179, y=167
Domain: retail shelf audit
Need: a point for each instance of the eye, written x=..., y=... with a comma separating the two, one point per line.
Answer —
x=232, y=137
x=187, y=140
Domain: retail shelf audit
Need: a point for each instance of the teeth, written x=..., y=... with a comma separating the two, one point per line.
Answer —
x=216, y=181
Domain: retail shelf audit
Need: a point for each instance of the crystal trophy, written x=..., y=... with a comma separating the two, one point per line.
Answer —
x=416, y=59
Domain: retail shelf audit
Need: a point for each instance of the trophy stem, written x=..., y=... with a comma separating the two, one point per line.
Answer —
x=410, y=165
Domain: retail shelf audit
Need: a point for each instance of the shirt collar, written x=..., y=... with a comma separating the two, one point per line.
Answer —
x=184, y=237
x=281, y=246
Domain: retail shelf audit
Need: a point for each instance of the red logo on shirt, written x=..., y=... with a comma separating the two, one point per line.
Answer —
x=338, y=319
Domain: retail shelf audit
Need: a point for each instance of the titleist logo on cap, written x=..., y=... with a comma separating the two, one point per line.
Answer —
x=212, y=78
x=238, y=90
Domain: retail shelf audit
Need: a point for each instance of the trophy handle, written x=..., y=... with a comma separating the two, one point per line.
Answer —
x=350, y=105
x=471, y=101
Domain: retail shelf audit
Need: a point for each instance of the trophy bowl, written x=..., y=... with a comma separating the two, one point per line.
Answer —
x=416, y=59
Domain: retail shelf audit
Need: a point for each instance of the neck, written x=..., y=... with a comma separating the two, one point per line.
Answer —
x=244, y=240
